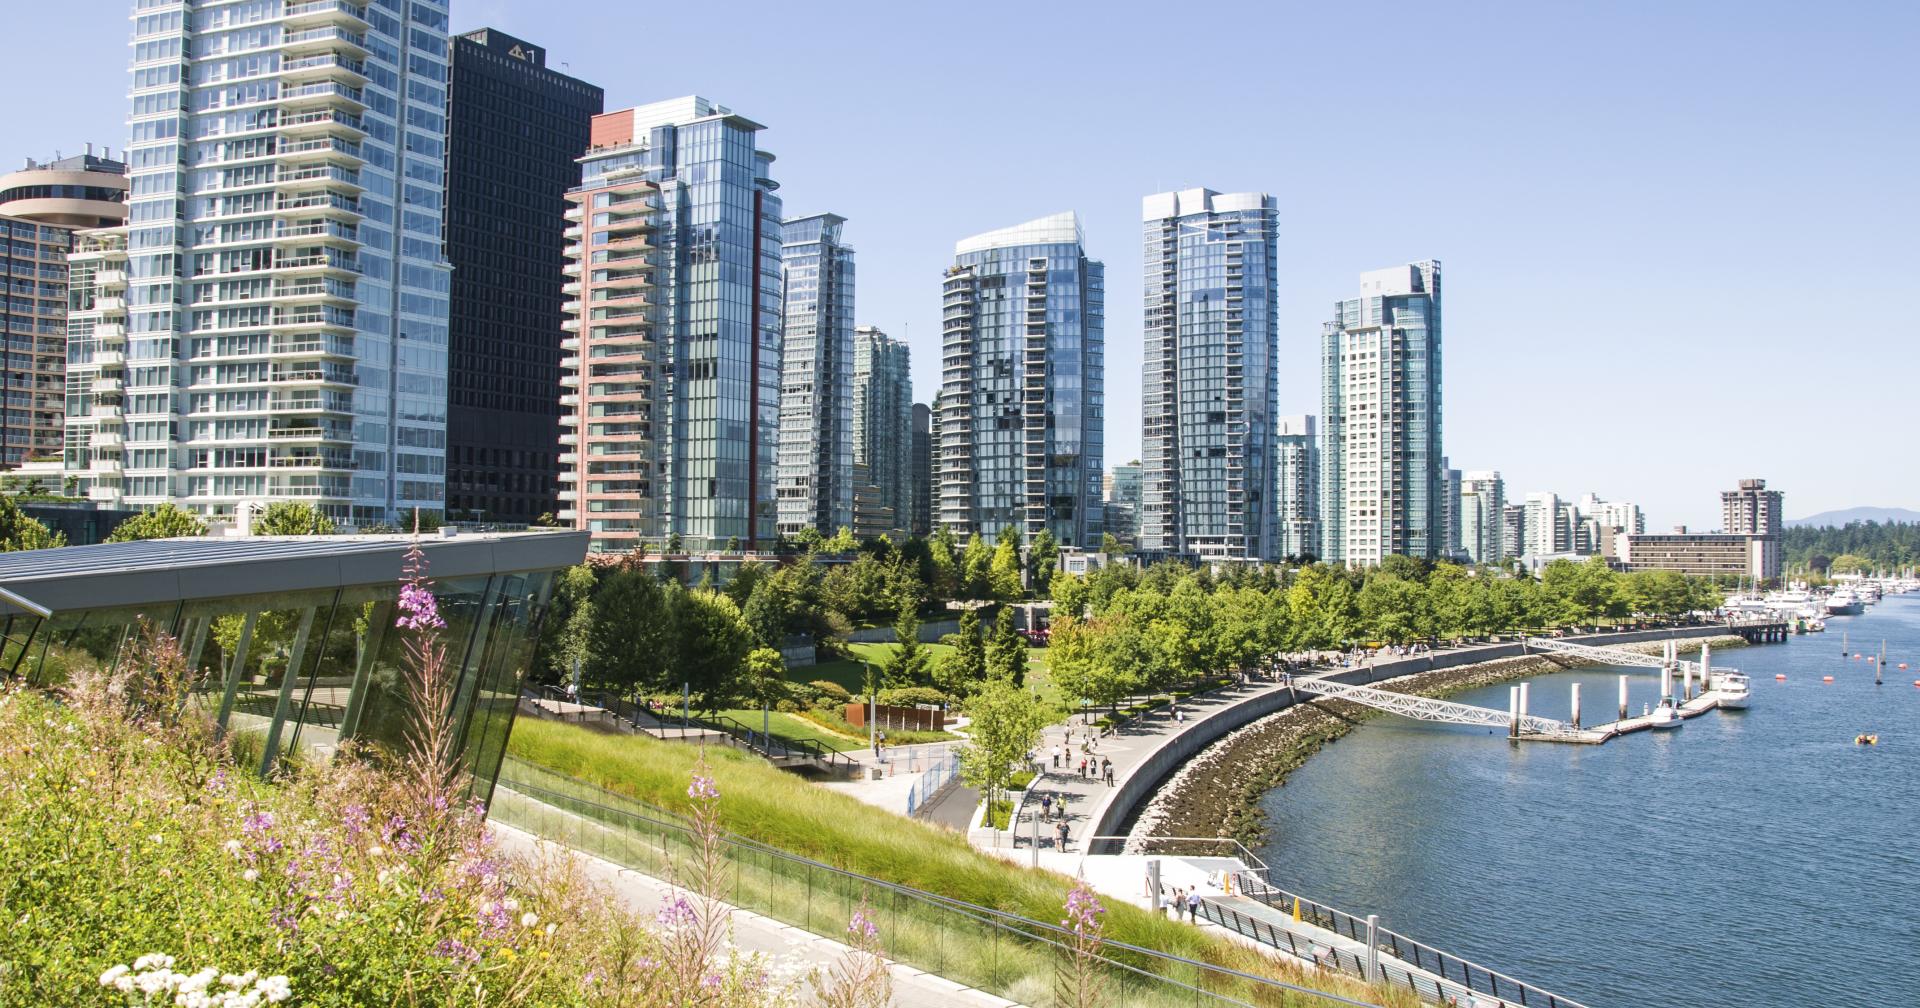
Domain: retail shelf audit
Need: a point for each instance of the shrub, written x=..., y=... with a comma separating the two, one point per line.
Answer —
x=831, y=689
x=908, y=696
x=787, y=707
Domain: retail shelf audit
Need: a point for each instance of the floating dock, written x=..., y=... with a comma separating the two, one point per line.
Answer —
x=1600, y=733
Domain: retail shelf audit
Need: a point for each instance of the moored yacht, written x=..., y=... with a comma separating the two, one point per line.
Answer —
x=1733, y=688
x=1666, y=715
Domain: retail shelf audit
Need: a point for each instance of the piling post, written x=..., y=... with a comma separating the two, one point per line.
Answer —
x=1576, y=705
x=1523, y=705
x=1706, y=664
x=1373, y=948
x=1686, y=672
x=1623, y=698
x=1513, y=711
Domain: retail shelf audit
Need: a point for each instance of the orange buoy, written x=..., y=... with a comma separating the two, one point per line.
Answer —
x=1782, y=676
x=1826, y=678
x=1903, y=666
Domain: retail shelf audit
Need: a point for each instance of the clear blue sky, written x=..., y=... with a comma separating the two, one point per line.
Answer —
x=1678, y=237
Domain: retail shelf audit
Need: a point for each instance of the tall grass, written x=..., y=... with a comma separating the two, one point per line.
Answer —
x=786, y=812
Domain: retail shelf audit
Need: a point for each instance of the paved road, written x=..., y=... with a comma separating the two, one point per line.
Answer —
x=954, y=808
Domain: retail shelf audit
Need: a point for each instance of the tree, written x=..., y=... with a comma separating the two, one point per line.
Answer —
x=974, y=564
x=1323, y=606
x=1109, y=545
x=1006, y=651
x=570, y=619
x=292, y=518
x=1849, y=563
x=766, y=612
x=672, y=544
x=164, y=522
x=842, y=542
x=907, y=666
x=965, y=667
x=733, y=544
x=711, y=649
x=630, y=632
x=1004, y=726
x=1392, y=608
x=766, y=678
x=1003, y=573
x=18, y=531
x=71, y=486
x=1069, y=595
x=1089, y=660
x=1041, y=562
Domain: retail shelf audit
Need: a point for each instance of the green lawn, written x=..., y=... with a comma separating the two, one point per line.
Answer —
x=792, y=726
x=787, y=812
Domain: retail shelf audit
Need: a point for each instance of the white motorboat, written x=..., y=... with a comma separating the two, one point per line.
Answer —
x=1845, y=603
x=1733, y=689
x=1665, y=716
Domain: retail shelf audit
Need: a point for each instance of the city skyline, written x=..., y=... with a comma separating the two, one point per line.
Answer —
x=1637, y=173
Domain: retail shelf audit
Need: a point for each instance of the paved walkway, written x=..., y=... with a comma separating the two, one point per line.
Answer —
x=752, y=932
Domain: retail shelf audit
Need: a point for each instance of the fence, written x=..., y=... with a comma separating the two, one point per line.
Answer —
x=1001, y=953
x=932, y=780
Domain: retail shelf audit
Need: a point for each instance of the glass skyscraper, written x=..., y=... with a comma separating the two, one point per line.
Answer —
x=1021, y=410
x=284, y=320
x=1297, y=462
x=673, y=352
x=1209, y=393
x=1482, y=508
x=814, y=485
x=883, y=424
x=1380, y=461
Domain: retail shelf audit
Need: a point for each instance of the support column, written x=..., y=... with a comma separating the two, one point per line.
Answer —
x=1623, y=698
x=1513, y=711
x=1576, y=705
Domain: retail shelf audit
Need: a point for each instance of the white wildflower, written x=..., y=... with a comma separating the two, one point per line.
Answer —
x=251, y=875
x=529, y=919
x=113, y=973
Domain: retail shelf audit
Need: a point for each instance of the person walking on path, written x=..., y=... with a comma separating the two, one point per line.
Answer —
x=1056, y=757
x=1193, y=907
x=1060, y=831
x=1106, y=769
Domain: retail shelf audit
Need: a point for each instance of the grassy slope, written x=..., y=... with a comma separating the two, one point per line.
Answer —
x=788, y=812
x=792, y=726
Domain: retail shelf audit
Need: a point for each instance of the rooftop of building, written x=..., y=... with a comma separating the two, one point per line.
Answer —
x=1186, y=202
x=112, y=575
x=1054, y=229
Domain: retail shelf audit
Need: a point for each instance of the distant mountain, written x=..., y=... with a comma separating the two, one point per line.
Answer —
x=1838, y=518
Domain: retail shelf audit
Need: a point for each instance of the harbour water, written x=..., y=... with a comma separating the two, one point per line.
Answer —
x=1752, y=859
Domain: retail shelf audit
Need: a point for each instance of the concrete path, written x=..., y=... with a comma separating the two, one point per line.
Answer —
x=954, y=808
x=752, y=932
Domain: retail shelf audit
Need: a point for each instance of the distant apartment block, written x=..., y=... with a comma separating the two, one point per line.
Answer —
x=1021, y=405
x=1210, y=397
x=1382, y=485
x=1701, y=555
x=672, y=373
x=883, y=427
x=41, y=206
x=814, y=485
x=922, y=470
x=1297, y=466
x=515, y=131
x=1121, y=492
x=1482, y=505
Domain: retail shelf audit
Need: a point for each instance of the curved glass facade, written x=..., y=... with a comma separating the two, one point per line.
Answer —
x=305, y=668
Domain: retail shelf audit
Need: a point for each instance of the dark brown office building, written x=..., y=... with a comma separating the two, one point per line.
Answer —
x=514, y=130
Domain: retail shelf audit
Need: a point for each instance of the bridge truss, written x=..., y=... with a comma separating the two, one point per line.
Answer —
x=1427, y=708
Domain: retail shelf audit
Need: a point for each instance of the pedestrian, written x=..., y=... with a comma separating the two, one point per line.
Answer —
x=1193, y=907
x=1106, y=769
x=1064, y=835
x=1046, y=806
x=1056, y=757
x=1083, y=768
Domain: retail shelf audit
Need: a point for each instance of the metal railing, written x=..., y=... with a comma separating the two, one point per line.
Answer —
x=932, y=781
x=601, y=705
x=991, y=950
x=1470, y=976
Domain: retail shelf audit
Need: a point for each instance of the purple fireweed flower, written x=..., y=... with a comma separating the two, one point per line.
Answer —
x=418, y=608
x=355, y=817
x=862, y=926
x=677, y=914
x=1083, y=911
x=454, y=948
x=395, y=834
x=286, y=919
x=711, y=981
x=702, y=787
x=493, y=919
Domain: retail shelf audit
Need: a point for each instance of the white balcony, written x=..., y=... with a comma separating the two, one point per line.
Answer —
x=108, y=439
x=569, y=458
x=108, y=385
x=109, y=358
x=108, y=466
x=570, y=399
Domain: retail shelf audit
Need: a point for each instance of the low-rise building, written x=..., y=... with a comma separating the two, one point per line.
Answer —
x=1699, y=554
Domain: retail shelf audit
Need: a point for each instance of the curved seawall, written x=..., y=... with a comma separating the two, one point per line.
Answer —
x=1146, y=778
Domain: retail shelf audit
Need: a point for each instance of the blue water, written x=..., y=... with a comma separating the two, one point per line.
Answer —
x=1750, y=859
